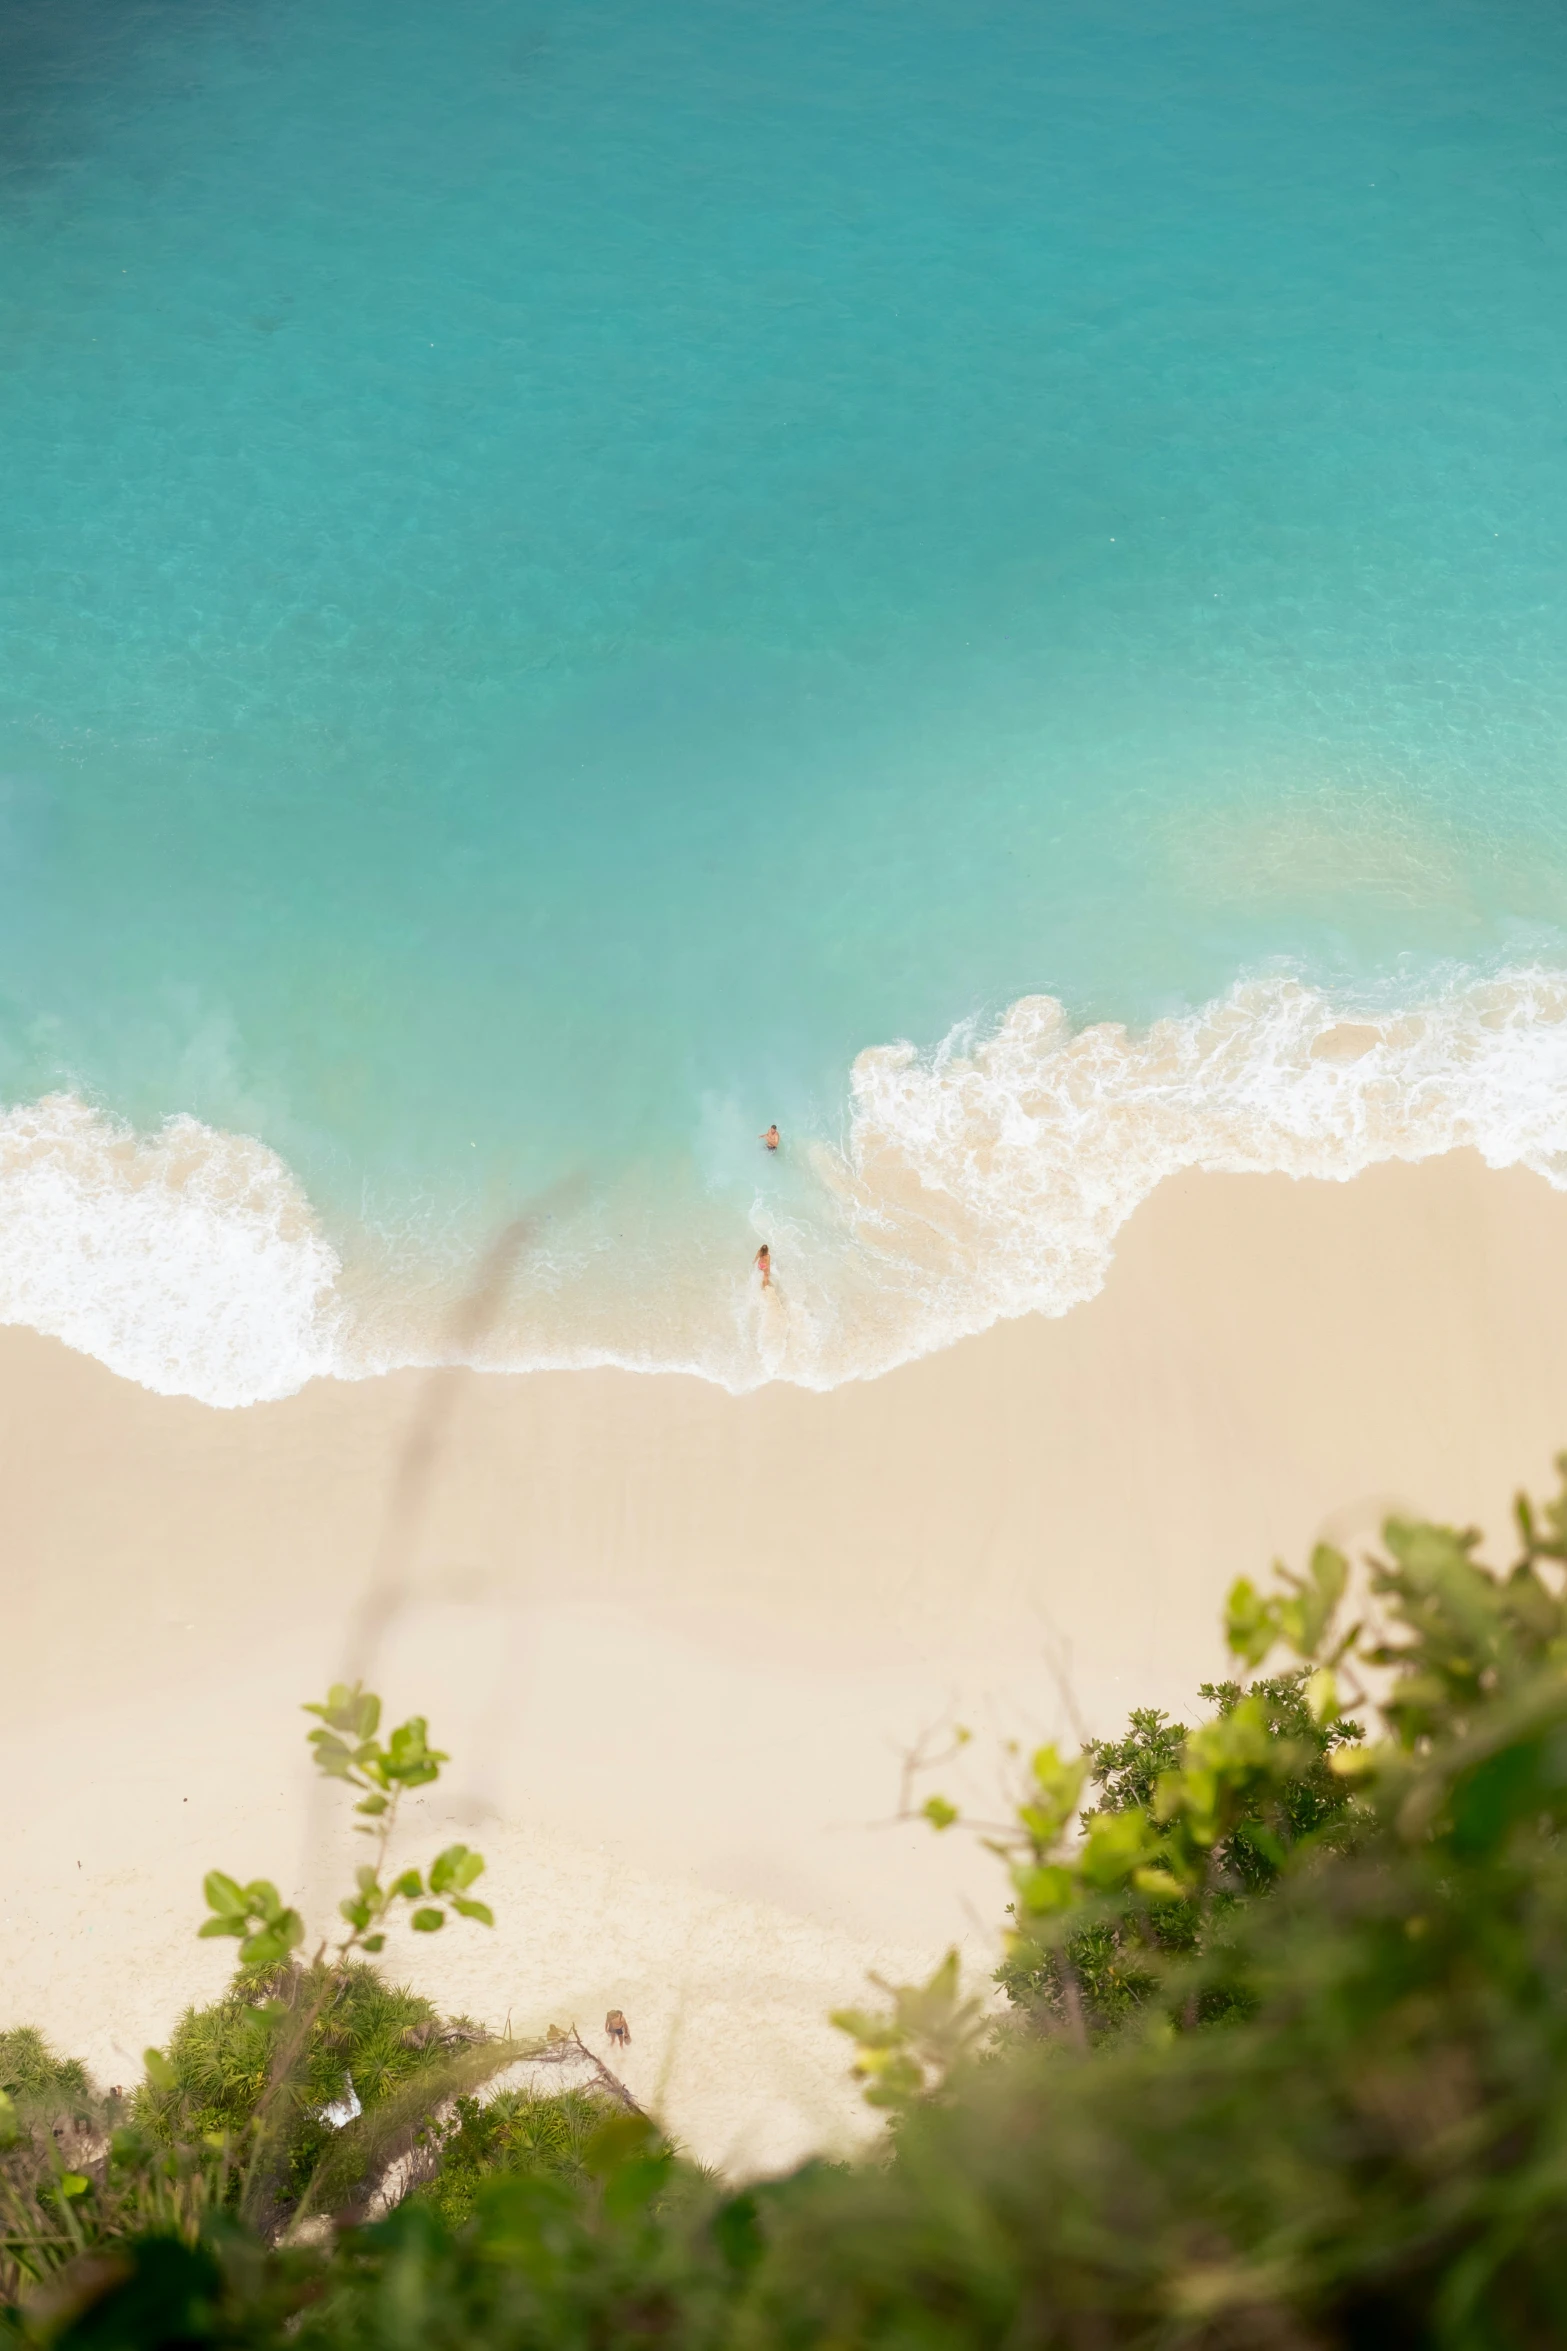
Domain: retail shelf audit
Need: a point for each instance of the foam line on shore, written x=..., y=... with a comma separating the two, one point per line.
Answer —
x=982, y=1181
x=188, y=1260
x=991, y=1180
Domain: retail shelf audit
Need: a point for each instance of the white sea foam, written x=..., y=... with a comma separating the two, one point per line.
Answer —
x=187, y=1260
x=992, y=1181
x=981, y=1181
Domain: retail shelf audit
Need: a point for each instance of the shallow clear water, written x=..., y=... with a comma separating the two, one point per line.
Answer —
x=568, y=569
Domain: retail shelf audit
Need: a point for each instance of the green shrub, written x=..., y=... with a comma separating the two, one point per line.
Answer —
x=32, y=2075
x=634, y=2248
x=519, y=2133
x=1330, y=2114
x=1102, y=1968
x=343, y=2030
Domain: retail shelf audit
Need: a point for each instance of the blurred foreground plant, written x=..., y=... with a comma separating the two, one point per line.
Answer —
x=287, y=2025
x=1286, y=2068
x=347, y=1749
x=290, y=2092
x=75, y=2172
x=1118, y=1902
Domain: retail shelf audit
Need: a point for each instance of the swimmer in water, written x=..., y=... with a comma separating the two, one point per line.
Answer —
x=764, y=1265
x=770, y=1138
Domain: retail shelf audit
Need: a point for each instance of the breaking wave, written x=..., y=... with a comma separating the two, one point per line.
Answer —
x=984, y=1180
x=993, y=1180
x=188, y=1260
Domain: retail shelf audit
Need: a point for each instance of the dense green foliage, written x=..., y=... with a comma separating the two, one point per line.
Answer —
x=517, y=2134
x=640, y=2249
x=296, y=2096
x=1286, y=2063
x=1101, y=1972
x=353, y=2036
x=31, y=2074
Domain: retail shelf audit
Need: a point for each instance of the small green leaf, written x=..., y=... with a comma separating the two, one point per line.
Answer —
x=1058, y=1785
x=1117, y=1845
x=222, y=1893
x=275, y=1941
x=1322, y=1697
x=408, y=1887
x=862, y=2025
x=348, y=1708
x=1330, y=1574
x=938, y=1812
x=159, y=2071
x=457, y=1866
x=467, y=1907
x=1251, y=1624
x=426, y=1921
x=73, y=2183
x=221, y=1926
x=373, y=1805
x=332, y=1756
x=410, y=1759
x=1158, y=1885
x=11, y=2132
x=373, y=1943
x=1045, y=1890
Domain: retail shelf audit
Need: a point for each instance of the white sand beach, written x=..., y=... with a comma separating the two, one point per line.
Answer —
x=677, y=1641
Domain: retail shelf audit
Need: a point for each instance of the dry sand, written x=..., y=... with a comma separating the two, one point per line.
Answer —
x=677, y=1641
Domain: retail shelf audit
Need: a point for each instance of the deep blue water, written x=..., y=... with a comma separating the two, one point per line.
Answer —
x=566, y=569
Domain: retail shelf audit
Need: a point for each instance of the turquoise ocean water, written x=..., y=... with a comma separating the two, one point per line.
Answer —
x=577, y=576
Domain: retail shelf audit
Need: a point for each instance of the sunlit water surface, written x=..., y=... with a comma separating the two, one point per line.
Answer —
x=573, y=574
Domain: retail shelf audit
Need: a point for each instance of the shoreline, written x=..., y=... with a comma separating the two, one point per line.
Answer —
x=985, y=1180
x=676, y=1639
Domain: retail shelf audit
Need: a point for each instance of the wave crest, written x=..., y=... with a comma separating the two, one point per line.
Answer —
x=994, y=1180
x=979, y=1182
x=188, y=1260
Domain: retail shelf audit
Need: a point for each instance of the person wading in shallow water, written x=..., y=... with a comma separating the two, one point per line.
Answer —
x=770, y=1138
x=764, y=1265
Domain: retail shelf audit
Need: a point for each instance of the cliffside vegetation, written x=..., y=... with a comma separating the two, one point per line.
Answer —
x=1283, y=2061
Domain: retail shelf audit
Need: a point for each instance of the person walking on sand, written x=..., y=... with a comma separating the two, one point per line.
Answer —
x=764, y=1265
x=770, y=1138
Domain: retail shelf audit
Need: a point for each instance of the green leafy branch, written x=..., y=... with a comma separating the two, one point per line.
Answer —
x=270, y=1932
x=1123, y=1900
x=1232, y=1779
x=346, y=1748
x=1114, y=1898
x=905, y=2053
